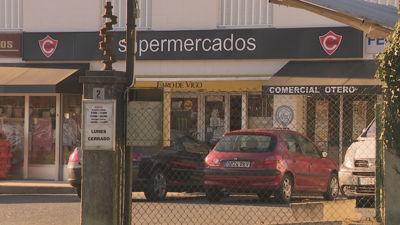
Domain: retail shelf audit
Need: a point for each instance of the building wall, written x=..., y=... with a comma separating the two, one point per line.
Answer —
x=185, y=14
x=75, y=15
x=287, y=17
x=62, y=16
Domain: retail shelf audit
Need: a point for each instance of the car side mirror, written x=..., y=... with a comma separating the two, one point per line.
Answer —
x=324, y=154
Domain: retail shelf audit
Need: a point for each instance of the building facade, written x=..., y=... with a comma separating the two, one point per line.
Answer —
x=218, y=60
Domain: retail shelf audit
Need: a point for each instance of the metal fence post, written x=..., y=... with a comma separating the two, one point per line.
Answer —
x=378, y=164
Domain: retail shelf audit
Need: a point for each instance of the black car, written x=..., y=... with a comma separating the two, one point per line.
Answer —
x=158, y=170
x=176, y=168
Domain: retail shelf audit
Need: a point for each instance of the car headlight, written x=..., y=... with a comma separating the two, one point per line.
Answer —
x=349, y=162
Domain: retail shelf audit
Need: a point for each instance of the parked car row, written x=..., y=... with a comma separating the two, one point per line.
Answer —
x=266, y=162
x=156, y=170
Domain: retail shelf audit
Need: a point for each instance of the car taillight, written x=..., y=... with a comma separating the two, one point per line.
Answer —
x=211, y=161
x=74, y=157
x=207, y=162
x=273, y=160
x=137, y=156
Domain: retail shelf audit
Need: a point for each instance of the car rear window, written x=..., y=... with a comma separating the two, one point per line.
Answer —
x=246, y=143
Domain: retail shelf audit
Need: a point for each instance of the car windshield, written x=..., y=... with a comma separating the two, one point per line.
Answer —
x=246, y=143
x=370, y=131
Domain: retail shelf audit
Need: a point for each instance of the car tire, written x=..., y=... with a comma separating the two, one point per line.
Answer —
x=264, y=195
x=284, y=194
x=214, y=194
x=157, y=190
x=333, y=188
x=79, y=191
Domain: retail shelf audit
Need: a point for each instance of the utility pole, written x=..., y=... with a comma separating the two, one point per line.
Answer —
x=132, y=14
x=130, y=40
x=106, y=169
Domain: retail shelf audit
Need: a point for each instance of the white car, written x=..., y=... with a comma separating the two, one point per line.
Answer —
x=357, y=173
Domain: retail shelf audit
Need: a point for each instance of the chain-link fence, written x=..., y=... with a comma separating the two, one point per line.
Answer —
x=251, y=158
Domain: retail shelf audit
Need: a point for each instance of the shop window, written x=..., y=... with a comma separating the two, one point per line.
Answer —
x=119, y=10
x=326, y=121
x=260, y=105
x=71, y=125
x=11, y=14
x=245, y=13
x=184, y=113
x=12, y=112
x=214, y=118
x=42, y=125
x=235, y=112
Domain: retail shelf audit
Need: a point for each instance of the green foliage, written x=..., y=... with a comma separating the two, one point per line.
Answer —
x=389, y=73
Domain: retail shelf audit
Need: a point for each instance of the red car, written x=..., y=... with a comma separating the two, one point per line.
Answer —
x=269, y=162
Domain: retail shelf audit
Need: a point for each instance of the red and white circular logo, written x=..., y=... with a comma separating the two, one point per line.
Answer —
x=48, y=46
x=330, y=42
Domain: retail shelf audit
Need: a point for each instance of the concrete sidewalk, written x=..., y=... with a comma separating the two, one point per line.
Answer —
x=35, y=187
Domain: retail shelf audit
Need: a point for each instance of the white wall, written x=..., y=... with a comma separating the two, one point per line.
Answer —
x=77, y=15
x=285, y=17
x=185, y=14
x=61, y=15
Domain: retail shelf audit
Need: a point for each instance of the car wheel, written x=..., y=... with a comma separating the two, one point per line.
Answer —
x=284, y=193
x=333, y=188
x=78, y=191
x=264, y=195
x=214, y=194
x=158, y=187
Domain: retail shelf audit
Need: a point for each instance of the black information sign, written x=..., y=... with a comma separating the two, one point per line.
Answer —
x=268, y=43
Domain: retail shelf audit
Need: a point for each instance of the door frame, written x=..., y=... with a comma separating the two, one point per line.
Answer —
x=37, y=171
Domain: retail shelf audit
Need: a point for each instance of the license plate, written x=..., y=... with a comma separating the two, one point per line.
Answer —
x=366, y=180
x=239, y=164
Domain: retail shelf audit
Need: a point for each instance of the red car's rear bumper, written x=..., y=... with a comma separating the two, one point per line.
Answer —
x=233, y=179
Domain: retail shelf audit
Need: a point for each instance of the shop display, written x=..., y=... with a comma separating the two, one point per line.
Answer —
x=321, y=124
x=215, y=118
x=184, y=115
x=359, y=117
x=5, y=156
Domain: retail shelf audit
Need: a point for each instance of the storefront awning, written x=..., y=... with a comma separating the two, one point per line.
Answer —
x=376, y=20
x=325, y=77
x=199, y=83
x=41, y=78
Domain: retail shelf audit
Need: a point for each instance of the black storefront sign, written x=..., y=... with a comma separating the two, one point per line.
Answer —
x=293, y=43
x=317, y=90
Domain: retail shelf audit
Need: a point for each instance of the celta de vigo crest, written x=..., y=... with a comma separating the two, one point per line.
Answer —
x=330, y=42
x=48, y=46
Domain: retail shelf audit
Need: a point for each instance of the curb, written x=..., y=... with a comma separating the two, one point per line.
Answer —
x=9, y=189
